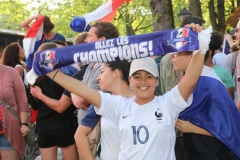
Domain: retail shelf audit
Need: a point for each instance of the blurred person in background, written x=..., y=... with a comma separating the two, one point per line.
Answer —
x=13, y=56
x=48, y=26
x=55, y=128
x=12, y=131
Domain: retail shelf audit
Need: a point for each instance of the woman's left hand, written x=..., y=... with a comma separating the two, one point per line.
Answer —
x=25, y=130
x=36, y=91
x=185, y=126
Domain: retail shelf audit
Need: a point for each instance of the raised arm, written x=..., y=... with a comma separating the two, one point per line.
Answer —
x=187, y=85
x=77, y=87
x=58, y=105
x=25, y=24
x=193, y=71
x=229, y=39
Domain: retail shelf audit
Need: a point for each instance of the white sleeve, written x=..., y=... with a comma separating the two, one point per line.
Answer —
x=175, y=101
x=110, y=106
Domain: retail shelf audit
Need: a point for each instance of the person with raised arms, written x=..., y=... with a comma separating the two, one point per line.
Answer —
x=146, y=122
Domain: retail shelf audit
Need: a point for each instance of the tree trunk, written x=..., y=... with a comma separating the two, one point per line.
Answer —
x=217, y=19
x=238, y=2
x=221, y=16
x=195, y=8
x=162, y=14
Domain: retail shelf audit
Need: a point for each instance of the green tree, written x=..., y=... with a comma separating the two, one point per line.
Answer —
x=12, y=13
x=135, y=14
x=140, y=16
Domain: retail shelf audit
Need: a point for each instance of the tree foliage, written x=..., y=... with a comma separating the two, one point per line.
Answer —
x=136, y=15
x=12, y=13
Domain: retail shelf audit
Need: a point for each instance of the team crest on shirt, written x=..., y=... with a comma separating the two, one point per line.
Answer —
x=158, y=116
x=179, y=38
x=48, y=59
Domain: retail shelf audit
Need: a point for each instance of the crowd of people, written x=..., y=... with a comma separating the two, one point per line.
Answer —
x=141, y=106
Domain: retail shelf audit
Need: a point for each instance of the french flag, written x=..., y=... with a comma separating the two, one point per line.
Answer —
x=32, y=40
x=105, y=12
x=214, y=110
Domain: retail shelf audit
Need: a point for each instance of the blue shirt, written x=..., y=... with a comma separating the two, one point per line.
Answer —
x=91, y=118
x=56, y=37
x=69, y=70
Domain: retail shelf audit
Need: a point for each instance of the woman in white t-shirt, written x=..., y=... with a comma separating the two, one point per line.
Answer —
x=12, y=56
x=113, y=78
x=146, y=122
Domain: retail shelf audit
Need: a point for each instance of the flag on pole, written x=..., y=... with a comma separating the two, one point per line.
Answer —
x=105, y=12
x=32, y=40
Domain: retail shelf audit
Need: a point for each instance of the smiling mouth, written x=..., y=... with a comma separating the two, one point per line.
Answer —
x=144, y=88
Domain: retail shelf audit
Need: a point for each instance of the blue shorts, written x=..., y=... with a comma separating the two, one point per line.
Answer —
x=4, y=143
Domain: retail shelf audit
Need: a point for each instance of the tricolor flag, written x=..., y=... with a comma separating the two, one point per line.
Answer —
x=226, y=47
x=214, y=110
x=105, y=12
x=32, y=40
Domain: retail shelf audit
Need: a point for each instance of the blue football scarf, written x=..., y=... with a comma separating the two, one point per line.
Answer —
x=122, y=48
x=214, y=110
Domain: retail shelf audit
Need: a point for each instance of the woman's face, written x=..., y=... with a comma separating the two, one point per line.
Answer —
x=21, y=53
x=144, y=85
x=180, y=61
x=106, y=78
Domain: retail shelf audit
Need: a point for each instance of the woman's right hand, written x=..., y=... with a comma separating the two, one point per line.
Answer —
x=36, y=91
x=37, y=16
x=25, y=130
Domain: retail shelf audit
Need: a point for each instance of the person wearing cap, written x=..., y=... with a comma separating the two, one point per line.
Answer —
x=146, y=122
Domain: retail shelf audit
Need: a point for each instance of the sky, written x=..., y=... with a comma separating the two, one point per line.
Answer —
x=36, y=3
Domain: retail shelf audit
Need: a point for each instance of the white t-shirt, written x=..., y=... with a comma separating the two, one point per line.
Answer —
x=147, y=131
x=219, y=58
x=227, y=64
x=109, y=139
x=110, y=146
